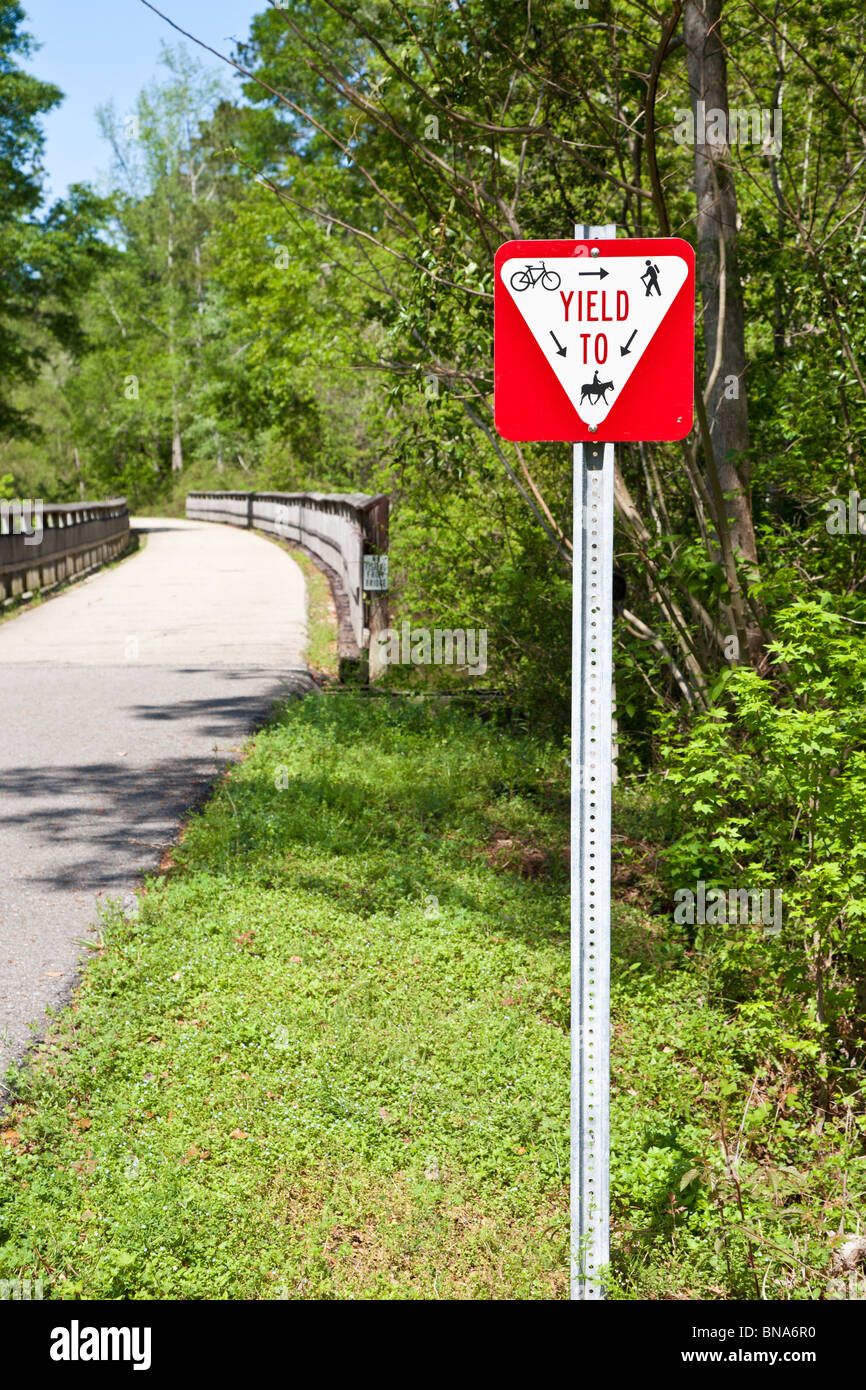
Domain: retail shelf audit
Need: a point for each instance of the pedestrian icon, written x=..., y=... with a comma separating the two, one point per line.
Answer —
x=650, y=278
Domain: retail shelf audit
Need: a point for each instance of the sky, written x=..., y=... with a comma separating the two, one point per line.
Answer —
x=101, y=50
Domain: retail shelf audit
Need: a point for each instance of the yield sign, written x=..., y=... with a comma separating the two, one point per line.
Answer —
x=595, y=339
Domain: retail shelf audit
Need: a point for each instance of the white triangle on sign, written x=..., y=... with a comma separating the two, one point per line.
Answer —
x=594, y=318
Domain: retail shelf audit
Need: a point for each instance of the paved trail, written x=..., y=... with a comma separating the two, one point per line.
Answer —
x=112, y=698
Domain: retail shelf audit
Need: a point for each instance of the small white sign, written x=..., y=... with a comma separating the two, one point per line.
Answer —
x=375, y=571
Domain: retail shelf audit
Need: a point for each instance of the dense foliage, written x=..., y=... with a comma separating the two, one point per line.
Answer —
x=45, y=261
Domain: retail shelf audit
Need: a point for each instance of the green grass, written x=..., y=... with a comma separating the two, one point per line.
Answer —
x=329, y=1058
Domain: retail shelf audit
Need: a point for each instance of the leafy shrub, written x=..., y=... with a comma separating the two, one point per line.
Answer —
x=771, y=785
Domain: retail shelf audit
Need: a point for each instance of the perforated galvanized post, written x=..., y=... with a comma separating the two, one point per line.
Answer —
x=591, y=758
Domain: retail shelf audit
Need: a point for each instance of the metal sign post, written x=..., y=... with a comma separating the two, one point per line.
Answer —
x=591, y=756
x=591, y=760
x=594, y=342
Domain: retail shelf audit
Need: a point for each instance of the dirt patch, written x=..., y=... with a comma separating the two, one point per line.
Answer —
x=528, y=858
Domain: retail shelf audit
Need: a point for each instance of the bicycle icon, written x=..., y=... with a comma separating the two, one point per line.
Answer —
x=532, y=275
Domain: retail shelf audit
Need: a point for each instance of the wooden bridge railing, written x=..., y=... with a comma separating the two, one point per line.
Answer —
x=42, y=545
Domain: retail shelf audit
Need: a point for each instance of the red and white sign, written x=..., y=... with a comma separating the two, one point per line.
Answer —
x=595, y=346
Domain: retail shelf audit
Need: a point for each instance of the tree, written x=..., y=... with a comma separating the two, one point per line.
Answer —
x=168, y=188
x=45, y=262
x=132, y=396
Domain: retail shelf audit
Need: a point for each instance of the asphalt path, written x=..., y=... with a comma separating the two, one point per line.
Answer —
x=120, y=701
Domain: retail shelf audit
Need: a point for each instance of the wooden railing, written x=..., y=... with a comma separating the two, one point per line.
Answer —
x=42, y=545
x=340, y=531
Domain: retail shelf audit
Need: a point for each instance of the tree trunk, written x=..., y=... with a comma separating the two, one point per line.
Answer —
x=77, y=458
x=727, y=407
x=176, y=445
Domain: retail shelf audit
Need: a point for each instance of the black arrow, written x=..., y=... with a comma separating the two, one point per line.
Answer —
x=559, y=348
x=624, y=351
x=600, y=273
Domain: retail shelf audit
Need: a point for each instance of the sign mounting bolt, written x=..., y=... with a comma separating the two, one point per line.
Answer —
x=595, y=251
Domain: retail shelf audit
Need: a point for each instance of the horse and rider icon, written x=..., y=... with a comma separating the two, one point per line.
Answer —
x=650, y=278
x=595, y=390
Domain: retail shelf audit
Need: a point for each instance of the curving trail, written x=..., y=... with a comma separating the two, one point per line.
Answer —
x=118, y=699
